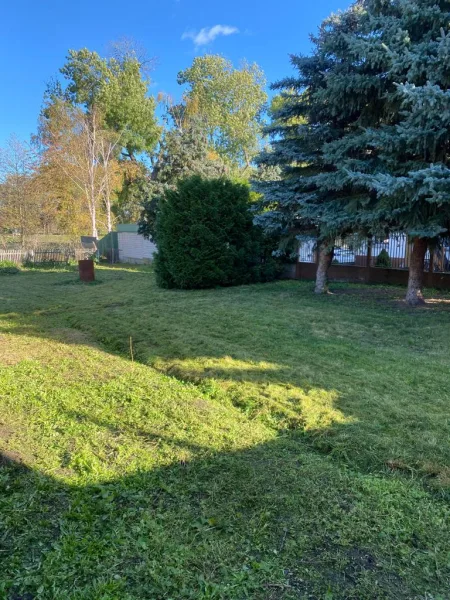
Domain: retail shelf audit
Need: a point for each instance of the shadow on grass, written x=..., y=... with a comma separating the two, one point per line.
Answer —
x=269, y=522
x=273, y=521
x=268, y=348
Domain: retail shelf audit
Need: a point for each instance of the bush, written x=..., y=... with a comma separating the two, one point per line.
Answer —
x=7, y=267
x=206, y=237
x=383, y=260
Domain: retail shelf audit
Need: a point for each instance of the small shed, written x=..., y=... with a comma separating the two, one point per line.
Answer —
x=134, y=248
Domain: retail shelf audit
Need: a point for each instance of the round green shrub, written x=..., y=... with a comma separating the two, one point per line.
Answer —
x=206, y=237
x=7, y=267
x=383, y=260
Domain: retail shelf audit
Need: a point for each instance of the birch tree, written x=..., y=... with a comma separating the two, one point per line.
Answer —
x=85, y=152
x=119, y=88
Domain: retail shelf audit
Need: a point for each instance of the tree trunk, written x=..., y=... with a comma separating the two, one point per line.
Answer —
x=108, y=216
x=414, y=296
x=108, y=207
x=94, y=222
x=326, y=253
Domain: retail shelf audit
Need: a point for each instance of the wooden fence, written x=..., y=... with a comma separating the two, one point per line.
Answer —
x=54, y=256
x=15, y=256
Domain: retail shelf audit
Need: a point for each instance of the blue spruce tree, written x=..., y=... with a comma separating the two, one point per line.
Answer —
x=372, y=153
x=406, y=156
x=333, y=97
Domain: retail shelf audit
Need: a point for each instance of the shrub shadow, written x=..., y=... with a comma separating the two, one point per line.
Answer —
x=230, y=525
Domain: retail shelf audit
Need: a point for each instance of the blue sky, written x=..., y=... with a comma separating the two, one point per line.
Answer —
x=36, y=35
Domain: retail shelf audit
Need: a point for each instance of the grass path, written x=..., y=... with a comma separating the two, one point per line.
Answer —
x=263, y=444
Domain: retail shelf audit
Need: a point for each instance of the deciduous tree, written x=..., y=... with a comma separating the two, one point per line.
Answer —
x=118, y=89
x=230, y=102
x=20, y=204
x=78, y=145
x=184, y=151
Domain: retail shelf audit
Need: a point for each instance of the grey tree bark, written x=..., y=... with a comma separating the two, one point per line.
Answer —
x=414, y=294
x=326, y=253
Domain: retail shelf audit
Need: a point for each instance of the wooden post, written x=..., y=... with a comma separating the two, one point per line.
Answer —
x=369, y=258
x=408, y=250
x=86, y=270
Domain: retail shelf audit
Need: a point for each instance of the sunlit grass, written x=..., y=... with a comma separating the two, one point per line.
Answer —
x=253, y=387
x=262, y=443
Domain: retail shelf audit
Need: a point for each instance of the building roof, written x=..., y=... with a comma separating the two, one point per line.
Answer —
x=127, y=228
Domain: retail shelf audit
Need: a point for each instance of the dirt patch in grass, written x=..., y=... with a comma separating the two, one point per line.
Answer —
x=13, y=349
x=9, y=457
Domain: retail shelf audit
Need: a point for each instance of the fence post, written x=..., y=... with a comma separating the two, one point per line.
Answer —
x=408, y=252
x=369, y=258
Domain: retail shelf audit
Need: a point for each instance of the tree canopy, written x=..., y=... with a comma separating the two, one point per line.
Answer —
x=313, y=110
x=119, y=89
x=21, y=209
x=184, y=151
x=230, y=102
x=411, y=143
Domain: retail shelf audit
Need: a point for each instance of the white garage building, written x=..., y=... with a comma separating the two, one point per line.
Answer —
x=134, y=248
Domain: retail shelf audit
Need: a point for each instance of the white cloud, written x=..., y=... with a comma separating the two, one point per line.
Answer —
x=208, y=34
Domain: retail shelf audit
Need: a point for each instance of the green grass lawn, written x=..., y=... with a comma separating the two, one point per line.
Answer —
x=253, y=442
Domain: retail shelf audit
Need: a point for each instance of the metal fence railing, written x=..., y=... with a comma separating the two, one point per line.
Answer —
x=392, y=252
x=351, y=251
